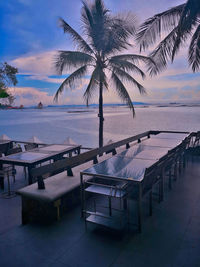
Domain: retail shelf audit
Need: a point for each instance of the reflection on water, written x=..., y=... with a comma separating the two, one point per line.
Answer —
x=53, y=125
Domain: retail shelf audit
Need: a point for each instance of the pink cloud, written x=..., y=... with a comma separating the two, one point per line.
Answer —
x=29, y=96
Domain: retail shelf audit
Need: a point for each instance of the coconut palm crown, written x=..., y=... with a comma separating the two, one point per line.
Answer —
x=105, y=36
x=177, y=25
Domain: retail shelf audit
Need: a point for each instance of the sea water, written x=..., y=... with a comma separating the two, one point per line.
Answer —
x=54, y=125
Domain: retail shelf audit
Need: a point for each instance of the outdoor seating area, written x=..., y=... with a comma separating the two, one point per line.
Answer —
x=169, y=237
x=121, y=176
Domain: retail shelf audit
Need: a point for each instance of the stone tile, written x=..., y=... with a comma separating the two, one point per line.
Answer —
x=95, y=248
x=188, y=257
x=20, y=256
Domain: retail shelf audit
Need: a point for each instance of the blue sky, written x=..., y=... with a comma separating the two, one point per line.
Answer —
x=30, y=37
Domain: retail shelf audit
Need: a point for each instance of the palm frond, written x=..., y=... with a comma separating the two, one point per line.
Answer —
x=194, y=50
x=188, y=20
x=96, y=22
x=122, y=92
x=92, y=86
x=69, y=59
x=150, y=30
x=70, y=81
x=127, y=66
x=82, y=45
x=128, y=78
x=107, y=34
x=120, y=30
x=163, y=51
x=86, y=17
x=97, y=76
x=152, y=67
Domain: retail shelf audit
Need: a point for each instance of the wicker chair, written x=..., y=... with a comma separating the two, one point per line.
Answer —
x=7, y=171
x=152, y=177
x=30, y=146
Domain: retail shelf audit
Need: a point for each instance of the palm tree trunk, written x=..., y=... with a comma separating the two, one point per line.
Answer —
x=101, y=119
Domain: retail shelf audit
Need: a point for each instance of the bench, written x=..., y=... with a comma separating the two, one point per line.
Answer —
x=61, y=187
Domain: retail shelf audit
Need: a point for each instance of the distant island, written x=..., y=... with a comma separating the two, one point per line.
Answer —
x=11, y=107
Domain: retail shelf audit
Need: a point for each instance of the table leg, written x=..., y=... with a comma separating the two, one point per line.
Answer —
x=150, y=203
x=81, y=189
x=161, y=193
x=1, y=178
x=30, y=178
x=140, y=208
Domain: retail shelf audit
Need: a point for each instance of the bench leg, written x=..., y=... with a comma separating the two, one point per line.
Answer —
x=150, y=203
x=69, y=172
x=1, y=177
x=2, y=182
x=57, y=204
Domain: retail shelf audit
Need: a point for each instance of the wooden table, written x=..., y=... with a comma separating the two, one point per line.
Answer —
x=36, y=156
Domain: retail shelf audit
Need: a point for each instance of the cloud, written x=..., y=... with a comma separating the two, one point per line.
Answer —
x=30, y=96
x=46, y=78
x=38, y=64
x=165, y=87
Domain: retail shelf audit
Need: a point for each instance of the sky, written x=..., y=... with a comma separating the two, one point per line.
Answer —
x=30, y=38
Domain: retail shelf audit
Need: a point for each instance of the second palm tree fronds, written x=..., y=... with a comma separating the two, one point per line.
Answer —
x=177, y=25
x=98, y=53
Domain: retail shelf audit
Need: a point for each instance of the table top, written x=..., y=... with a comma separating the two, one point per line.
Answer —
x=27, y=156
x=57, y=148
x=37, y=155
x=179, y=136
x=123, y=168
x=162, y=142
x=145, y=152
x=132, y=163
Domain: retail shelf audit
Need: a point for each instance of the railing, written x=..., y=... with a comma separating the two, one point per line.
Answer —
x=109, y=148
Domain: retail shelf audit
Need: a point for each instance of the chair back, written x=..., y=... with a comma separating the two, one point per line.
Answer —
x=197, y=139
x=30, y=146
x=14, y=150
x=171, y=158
x=150, y=178
x=5, y=147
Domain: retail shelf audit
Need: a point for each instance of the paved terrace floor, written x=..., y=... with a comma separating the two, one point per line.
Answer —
x=171, y=237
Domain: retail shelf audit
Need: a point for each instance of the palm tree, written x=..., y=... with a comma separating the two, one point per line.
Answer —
x=106, y=35
x=178, y=24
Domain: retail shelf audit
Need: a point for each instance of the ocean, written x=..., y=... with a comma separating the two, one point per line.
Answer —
x=55, y=124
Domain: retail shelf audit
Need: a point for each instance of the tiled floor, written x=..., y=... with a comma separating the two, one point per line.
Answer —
x=171, y=237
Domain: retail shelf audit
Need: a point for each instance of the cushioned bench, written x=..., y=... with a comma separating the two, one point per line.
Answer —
x=61, y=191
